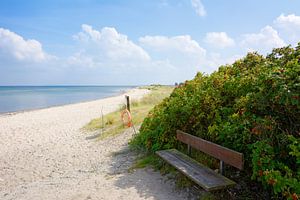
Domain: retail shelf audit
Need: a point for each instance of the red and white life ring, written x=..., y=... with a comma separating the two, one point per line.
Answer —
x=126, y=118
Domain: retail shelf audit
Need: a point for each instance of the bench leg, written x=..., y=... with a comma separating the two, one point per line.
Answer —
x=221, y=167
x=189, y=150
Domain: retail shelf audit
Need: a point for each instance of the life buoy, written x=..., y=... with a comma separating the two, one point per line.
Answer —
x=126, y=118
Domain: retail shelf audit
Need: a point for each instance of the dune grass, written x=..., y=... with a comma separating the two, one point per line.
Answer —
x=112, y=124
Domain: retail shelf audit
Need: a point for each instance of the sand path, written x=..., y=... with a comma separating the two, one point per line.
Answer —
x=45, y=155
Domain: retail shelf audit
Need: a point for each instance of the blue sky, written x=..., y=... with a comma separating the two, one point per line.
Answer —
x=133, y=42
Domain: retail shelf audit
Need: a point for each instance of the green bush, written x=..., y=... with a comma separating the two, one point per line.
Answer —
x=251, y=106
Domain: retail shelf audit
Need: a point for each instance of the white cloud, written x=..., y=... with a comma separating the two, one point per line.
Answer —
x=185, y=54
x=219, y=40
x=218, y=59
x=290, y=27
x=288, y=21
x=109, y=46
x=169, y=58
x=15, y=46
x=182, y=52
x=183, y=44
x=79, y=59
x=198, y=7
x=263, y=42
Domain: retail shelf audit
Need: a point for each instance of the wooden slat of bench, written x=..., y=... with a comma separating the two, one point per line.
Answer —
x=229, y=156
x=200, y=174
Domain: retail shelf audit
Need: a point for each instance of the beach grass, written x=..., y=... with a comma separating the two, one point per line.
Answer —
x=146, y=160
x=112, y=124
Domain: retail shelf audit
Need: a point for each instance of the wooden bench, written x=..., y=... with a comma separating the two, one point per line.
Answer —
x=200, y=174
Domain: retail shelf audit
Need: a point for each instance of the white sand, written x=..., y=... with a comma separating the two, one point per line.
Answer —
x=45, y=155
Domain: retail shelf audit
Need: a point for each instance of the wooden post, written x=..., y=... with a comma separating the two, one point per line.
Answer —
x=127, y=102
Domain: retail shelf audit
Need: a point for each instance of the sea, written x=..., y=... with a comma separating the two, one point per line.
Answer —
x=22, y=98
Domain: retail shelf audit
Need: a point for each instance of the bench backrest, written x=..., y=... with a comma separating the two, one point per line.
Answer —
x=229, y=156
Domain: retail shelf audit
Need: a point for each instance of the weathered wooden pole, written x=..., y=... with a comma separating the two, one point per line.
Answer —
x=127, y=102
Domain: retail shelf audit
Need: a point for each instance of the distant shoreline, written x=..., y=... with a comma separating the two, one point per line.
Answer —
x=122, y=92
x=67, y=104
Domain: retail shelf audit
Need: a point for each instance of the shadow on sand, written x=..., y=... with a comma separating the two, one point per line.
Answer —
x=149, y=184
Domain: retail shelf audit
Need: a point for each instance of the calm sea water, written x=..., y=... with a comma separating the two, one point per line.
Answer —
x=19, y=98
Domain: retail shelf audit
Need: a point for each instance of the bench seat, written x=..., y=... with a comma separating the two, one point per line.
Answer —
x=200, y=174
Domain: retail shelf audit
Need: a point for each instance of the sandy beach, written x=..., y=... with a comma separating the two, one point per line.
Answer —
x=45, y=155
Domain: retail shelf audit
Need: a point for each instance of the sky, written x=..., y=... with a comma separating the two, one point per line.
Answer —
x=134, y=42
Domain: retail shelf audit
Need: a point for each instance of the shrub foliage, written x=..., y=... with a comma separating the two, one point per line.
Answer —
x=251, y=106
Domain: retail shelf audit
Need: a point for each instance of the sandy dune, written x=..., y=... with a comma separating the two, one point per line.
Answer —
x=44, y=155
